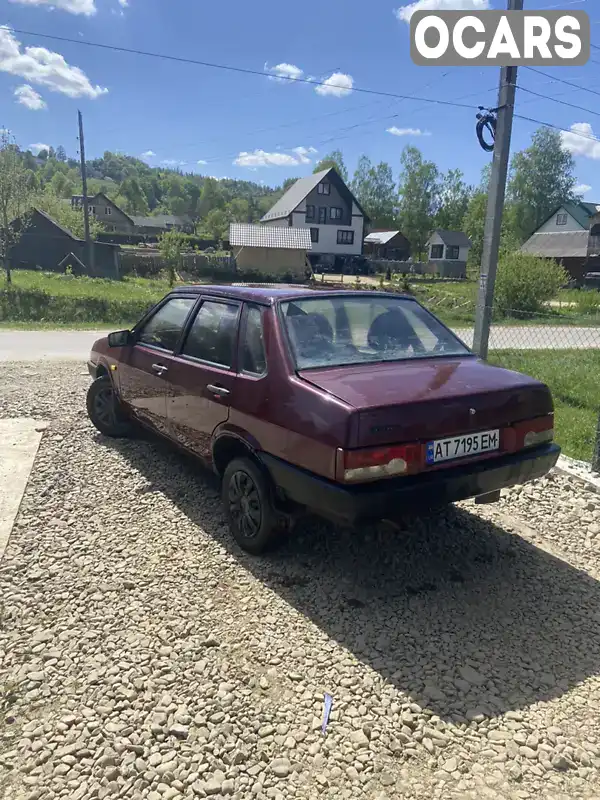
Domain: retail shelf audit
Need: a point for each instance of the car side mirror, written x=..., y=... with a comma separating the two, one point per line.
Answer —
x=120, y=339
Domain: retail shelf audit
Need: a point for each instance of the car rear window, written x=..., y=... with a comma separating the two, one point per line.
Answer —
x=336, y=331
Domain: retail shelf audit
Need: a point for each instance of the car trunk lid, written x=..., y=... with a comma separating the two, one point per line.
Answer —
x=431, y=398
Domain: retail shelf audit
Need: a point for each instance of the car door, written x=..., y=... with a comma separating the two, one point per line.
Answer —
x=202, y=375
x=144, y=373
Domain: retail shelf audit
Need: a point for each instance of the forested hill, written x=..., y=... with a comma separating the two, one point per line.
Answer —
x=142, y=190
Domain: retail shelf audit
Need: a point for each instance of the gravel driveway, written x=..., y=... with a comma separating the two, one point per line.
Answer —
x=142, y=655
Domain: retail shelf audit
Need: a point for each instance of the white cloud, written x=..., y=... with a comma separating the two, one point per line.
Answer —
x=339, y=84
x=27, y=96
x=284, y=72
x=201, y=161
x=42, y=66
x=148, y=154
x=37, y=148
x=123, y=3
x=407, y=131
x=86, y=7
x=260, y=158
x=582, y=188
x=587, y=145
x=172, y=162
x=303, y=153
x=404, y=13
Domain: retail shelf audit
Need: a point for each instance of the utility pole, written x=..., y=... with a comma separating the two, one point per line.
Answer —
x=495, y=202
x=86, y=212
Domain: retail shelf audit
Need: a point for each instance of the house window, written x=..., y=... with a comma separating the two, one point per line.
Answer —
x=314, y=234
x=437, y=251
x=92, y=209
x=335, y=213
x=561, y=219
x=345, y=237
x=452, y=251
x=107, y=210
x=324, y=188
x=310, y=212
x=322, y=215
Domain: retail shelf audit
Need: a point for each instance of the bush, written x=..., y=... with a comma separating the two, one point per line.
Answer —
x=525, y=283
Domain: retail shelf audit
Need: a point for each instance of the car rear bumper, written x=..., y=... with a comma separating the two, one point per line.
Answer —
x=381, y=499
x=92, y=369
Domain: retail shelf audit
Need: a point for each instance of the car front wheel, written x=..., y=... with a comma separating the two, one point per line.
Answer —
x=247, y=501
x=104, y=409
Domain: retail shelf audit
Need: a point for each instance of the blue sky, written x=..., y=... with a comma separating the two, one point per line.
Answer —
x=255, y=127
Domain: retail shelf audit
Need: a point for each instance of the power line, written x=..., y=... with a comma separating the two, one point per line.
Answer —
x=558, y=128
x=227, y=67
x=555, y=100
x=562, y=80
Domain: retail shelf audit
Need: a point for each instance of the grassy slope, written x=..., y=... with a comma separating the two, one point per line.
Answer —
x=574, y=378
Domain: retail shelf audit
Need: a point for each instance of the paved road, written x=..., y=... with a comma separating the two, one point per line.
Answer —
x=75, y=345
x=47, y=345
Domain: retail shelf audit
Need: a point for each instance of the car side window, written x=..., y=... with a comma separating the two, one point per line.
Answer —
x=253, y=358
x=213, y=332
x=164, y=328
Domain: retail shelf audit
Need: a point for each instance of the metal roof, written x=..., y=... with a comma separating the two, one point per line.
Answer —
x=159, y=221
x=563, y=244
x=381, y=237
x=269, y=236
x=453, y=238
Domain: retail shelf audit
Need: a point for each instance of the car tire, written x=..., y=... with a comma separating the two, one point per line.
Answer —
x=246, y=497
x=104, y=409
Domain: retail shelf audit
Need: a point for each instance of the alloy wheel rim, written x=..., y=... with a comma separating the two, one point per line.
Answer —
x=104, y=407
x=244, y=504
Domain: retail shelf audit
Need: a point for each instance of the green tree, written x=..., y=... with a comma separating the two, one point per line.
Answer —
x=454, y=196
x=541, y=179
x=14, y=197
x=170, y=245
x=418, y=198
x=61, y=154
x=210, y=198
x=131, y=197
x=216, y=224
x=61, y=186
x=374, y=188
x=333, y=159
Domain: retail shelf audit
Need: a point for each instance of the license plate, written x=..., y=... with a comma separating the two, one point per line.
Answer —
x=462, y=446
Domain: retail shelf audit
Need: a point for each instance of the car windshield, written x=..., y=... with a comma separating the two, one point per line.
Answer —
x=356, y=329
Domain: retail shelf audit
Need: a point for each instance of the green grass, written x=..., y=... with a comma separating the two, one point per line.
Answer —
x=70, y=286
x=42, y=298
x=573, y=377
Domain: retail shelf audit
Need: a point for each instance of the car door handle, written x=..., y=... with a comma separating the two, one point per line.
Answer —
x=160, y=368
x=220, y=391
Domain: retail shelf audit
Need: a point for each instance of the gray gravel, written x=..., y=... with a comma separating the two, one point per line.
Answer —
x=142, y=655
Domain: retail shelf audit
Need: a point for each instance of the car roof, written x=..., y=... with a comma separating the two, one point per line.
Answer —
x=268, y=295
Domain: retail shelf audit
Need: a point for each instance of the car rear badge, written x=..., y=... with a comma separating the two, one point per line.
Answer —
x=472, y=411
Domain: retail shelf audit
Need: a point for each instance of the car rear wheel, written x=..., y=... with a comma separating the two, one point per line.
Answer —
x=104, y=409
x=246, y=498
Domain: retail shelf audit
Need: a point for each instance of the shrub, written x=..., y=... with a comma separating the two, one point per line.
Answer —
x=525, y=283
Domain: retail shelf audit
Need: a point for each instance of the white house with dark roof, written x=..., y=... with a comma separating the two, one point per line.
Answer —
x=447, y=253
x=323, y=204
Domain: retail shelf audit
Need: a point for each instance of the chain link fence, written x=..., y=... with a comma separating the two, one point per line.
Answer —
x=562, y=349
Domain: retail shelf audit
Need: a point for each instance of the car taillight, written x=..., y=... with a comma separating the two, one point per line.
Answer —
x=535, y=431
x=371, y=463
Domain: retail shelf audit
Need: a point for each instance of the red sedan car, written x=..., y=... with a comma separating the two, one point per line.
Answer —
x=353, y=405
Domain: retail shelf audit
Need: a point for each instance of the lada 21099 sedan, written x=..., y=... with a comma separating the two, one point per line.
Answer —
x=353, y=405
